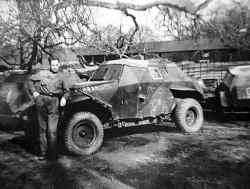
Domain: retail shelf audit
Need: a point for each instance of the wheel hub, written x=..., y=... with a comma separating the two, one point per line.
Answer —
x=83, y=134
x=190, y=117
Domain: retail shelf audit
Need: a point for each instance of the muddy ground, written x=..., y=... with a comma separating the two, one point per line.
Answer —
x=151, y=157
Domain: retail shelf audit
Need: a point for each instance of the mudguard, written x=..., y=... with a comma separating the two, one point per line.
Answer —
x=81, y=98
x=192, y=89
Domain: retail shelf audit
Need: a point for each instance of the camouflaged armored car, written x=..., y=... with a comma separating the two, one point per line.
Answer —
x=130, y=92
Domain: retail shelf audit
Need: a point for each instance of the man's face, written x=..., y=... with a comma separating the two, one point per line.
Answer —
x=54, y=66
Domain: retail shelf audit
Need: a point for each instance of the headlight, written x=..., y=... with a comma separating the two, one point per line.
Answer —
x=63, y=102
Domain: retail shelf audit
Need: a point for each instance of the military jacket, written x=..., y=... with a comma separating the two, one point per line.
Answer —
x=48, y=83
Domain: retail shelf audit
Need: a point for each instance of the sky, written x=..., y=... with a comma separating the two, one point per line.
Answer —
x=5, y=5
x=150, y=18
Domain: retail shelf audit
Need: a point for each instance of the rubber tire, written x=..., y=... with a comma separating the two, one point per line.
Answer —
x=180, y=111
x=69, y=142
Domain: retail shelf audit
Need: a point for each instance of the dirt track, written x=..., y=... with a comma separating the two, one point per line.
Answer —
x=152, y=157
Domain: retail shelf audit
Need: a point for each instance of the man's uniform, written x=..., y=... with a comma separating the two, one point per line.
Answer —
x=51, y=87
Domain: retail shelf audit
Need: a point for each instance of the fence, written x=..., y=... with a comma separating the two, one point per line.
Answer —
x=209, y=70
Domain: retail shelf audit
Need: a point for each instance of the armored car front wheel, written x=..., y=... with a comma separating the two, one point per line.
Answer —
x=188, y=115
x=83, y=134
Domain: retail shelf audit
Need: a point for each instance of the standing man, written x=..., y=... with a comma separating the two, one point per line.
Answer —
x=47, y=88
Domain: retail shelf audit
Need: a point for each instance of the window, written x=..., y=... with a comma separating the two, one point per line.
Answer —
x=107, y=72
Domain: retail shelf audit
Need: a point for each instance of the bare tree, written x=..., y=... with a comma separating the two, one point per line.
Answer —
x=41, y=25
x=125, y=41
x=145, y=34
x=180, y=25
x=105, y=39
x=233, y=27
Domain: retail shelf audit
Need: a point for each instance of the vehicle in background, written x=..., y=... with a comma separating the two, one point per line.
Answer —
x=208, y=85
x=14, y=99
x=233, y=94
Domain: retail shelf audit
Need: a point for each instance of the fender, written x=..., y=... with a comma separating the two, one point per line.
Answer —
x=86, y=96
x=191, y=88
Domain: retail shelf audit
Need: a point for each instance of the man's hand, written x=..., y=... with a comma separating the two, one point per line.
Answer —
x=35, y=94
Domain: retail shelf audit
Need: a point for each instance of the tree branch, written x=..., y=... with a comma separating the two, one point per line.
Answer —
x=118, y=5
x=203, y=5
x=131, y=37
x=138, y=7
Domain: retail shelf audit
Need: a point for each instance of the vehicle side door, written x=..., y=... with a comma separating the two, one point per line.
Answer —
x=128, y=91
x=154, y=96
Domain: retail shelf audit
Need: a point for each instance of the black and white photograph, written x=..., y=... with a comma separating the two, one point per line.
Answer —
x=124, y=94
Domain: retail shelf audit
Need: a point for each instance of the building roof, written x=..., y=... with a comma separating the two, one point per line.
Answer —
x=89, y=51
x=178, y=46
x=163, y=46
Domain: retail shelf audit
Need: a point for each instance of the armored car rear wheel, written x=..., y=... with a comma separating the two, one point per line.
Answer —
x=83, y=134
x=188, y=115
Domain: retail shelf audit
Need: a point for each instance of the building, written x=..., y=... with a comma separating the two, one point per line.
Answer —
x=212, y=50
x=194, y=50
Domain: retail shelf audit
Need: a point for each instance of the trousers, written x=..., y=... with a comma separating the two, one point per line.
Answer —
x=47, y=116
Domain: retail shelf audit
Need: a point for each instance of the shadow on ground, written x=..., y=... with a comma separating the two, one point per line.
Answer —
x=191, y=166
x=118, y=132
x=144, y=157
x=227, y=117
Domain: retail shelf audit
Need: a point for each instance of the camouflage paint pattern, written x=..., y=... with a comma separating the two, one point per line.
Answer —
x=137, y=91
